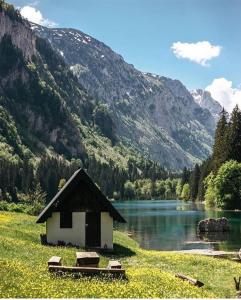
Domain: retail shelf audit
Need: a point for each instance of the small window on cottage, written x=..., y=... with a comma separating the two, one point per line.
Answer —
x=66, y=219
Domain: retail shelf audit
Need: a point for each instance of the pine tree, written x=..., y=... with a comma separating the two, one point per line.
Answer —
x=193, y=182
x=220, y=142
x=205, y=170
x=185, y=176
x=234, y=136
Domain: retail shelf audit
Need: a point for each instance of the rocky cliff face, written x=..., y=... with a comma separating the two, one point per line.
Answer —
x=204, y=99
x=21, y=34
x=37, y=93
x=155, y=115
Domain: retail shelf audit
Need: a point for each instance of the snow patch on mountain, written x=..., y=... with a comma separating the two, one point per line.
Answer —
x=204, y=99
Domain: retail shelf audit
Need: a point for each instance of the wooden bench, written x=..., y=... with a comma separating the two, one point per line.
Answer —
x=86, y=270
x=87, y=259
x=114, y=264
x=55, y=261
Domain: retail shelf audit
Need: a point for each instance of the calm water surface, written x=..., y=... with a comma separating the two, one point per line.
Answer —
x=171, y=225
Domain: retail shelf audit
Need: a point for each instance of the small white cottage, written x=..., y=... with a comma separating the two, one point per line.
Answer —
x=80, y=214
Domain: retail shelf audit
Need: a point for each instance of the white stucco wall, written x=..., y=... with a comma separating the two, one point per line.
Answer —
x=106, y=230
x=74, y=235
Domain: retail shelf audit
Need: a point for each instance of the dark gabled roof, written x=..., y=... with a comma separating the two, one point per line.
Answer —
x=79, y=175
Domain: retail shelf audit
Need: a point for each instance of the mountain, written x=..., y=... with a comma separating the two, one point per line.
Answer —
x=205, y=100
x=157, y=116
x=79, y=98
x=50, y=125
x=38, y=93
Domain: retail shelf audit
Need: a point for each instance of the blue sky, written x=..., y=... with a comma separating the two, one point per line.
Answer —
x=144, y=32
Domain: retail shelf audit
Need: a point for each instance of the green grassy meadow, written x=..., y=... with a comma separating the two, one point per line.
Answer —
x=24, y=273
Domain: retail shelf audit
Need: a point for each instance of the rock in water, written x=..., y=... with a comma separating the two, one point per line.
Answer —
x=213, y=225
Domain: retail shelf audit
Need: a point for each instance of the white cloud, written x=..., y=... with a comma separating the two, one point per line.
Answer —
x=33, y=15
x=200, y=52
x=223, y=91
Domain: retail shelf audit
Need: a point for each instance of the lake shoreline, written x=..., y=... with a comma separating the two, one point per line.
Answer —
x=209, y=252
x=171, y=225
x=205, y=252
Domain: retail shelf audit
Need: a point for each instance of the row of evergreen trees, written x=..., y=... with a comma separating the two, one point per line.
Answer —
x=20, y=178
x=227, y=147
x=227, y=144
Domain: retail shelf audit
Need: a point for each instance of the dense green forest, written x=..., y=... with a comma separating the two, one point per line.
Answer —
x=19, y=180
x=218, y=180
x=151, y=189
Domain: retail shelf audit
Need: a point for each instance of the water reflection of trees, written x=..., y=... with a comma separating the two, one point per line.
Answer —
x=158, y=230
x=156, y=227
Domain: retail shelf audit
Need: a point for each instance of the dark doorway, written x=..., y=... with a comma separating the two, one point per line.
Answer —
x=92, y=229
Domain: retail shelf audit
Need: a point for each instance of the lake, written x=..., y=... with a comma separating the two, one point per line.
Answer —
x=171, y=225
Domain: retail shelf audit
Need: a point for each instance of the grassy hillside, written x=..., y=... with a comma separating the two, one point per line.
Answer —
x=23, y=269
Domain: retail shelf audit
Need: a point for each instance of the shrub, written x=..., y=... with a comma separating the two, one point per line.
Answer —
x=37, y=200
x=185, y=192
x=179, y=188
x=13, y=207
x=129, y=190
x=210, y=194
x=61, y=183
x=224, y=189
x=228, y=185
x=34, y=209
x=4, y=205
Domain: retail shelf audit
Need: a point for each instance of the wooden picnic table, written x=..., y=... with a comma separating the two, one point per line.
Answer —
x=88, y=259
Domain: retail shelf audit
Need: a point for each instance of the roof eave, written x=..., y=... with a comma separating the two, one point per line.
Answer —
x=46, y=213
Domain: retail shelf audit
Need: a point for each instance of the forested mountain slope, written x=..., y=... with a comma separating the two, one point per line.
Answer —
x=156, y=115
x=38, y=93
x=49, y=125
